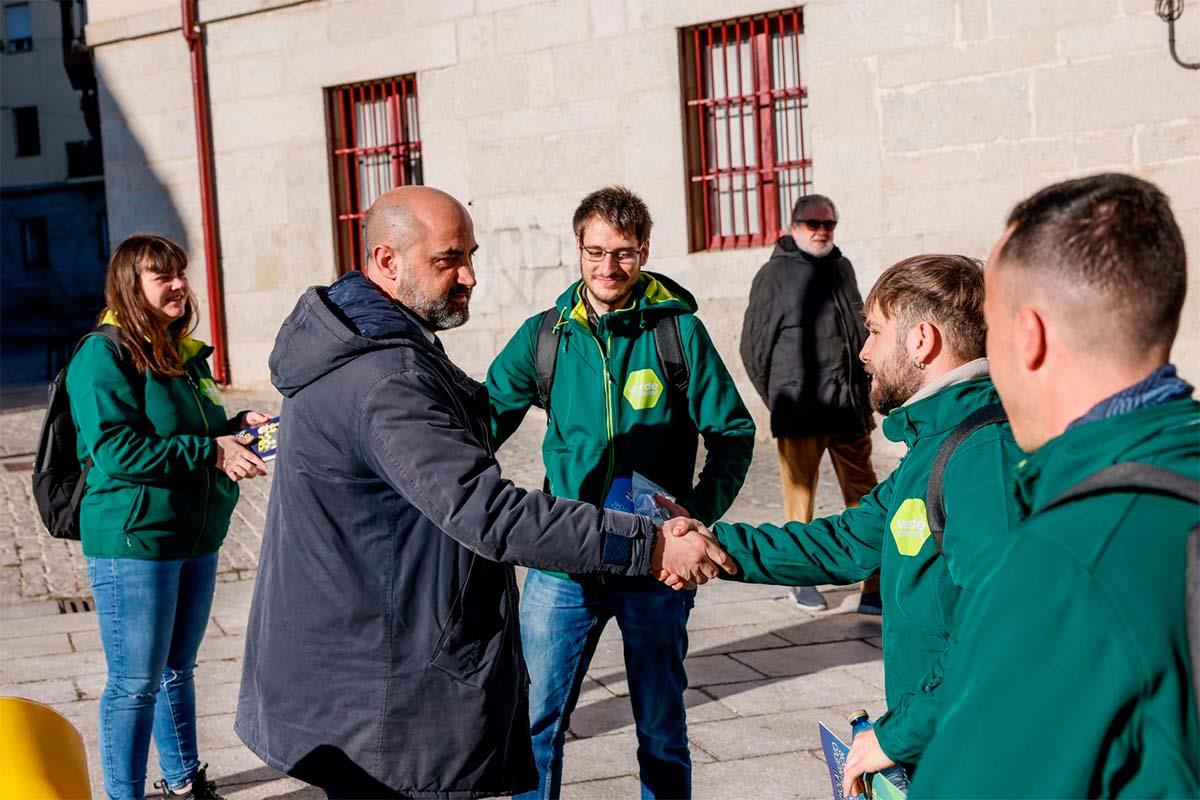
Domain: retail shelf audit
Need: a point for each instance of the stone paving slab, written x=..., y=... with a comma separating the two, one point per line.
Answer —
x=762, y=672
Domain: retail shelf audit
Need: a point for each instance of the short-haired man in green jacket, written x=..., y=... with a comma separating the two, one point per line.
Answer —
x=618, y=405
x=1071, y=677
x=925, y=354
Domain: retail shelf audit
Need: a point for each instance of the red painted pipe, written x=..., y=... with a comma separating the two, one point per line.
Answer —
x=216, y=301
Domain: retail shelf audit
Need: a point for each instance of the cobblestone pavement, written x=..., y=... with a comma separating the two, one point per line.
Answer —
x=761, y=672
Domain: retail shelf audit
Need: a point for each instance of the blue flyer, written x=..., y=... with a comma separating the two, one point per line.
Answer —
x=263, y=440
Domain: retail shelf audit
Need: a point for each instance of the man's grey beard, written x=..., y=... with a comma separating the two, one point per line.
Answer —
x=819, y=252
x=437, y=312
x=895, y=382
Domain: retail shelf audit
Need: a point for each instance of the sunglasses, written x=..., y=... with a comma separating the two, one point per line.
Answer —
x=817, y=224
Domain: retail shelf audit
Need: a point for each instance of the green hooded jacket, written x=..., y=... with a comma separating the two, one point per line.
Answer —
x=1075, y=679
x=611, y=410
x=152, y=492
x=889, y=532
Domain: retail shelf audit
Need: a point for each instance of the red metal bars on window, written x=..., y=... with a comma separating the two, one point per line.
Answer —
x=375, y=146
x=744, y=113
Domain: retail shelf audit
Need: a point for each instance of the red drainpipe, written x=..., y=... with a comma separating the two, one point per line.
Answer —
x=208, y=209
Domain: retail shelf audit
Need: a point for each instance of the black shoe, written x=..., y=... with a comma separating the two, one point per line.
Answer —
x=202, y=788
x=870, y=603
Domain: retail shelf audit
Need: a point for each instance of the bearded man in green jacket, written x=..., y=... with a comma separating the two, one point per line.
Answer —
x=1072, y=676
x=925, y=354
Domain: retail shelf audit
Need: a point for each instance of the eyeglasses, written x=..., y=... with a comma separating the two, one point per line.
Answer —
x=624, y=256
x=817, y=224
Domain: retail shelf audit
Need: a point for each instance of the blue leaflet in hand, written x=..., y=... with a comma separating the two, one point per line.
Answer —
x=620, y=495
x=644, y=502
x=263, y=440
x=835, y=758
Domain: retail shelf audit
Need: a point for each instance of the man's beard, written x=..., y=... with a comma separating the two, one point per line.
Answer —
x=816, y=252
x=438, y=312
x=894, y=382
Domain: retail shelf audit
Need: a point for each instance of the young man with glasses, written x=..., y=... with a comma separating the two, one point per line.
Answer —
x=630, y=381
x=802, y=333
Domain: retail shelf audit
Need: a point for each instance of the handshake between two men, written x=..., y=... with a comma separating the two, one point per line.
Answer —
x=686, y=553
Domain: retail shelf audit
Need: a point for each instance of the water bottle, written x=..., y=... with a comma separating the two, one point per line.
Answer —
x=859, y=722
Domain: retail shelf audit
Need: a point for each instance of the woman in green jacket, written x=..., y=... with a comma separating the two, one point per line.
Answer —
x=159, y=497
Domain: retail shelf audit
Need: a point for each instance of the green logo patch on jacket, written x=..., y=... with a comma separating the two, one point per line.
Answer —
x=643, y=389
x=910, y=526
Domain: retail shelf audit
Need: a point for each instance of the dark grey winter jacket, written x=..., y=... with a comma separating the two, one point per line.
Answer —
x=383, y=635
x=801, y=337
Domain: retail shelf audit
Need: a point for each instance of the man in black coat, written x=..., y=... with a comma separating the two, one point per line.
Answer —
x=383, y=650
x=800, y=342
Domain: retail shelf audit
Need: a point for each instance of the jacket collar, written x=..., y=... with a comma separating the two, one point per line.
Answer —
x=189, y=348
x=940, y=412
x=1146, y=433
x=654, y=295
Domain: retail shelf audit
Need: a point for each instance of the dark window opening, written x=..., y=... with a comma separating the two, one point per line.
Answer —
x=28, y=135
x=35, y=243
x=375, y=145
x=746, y=143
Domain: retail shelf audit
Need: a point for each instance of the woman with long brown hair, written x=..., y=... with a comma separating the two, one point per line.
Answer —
x=159, y=497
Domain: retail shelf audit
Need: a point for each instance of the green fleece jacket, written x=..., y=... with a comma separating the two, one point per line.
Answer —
x=611, y=411
x=888, y=532
x=152, y=492
x=1074, y=678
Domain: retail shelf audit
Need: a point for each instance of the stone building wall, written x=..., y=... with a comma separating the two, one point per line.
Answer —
x=928, y=120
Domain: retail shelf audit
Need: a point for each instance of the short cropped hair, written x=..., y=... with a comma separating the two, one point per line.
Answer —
x=1115, y=235
x=944, y=289
x=808, y=201
x=617, y=206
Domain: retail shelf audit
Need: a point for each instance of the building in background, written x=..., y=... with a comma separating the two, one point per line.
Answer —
x=53, y=225
x=927, y=120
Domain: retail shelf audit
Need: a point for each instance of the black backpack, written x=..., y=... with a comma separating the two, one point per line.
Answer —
x=935, y=506
x=668, y=342
x=58, y=477
x=1139, y=478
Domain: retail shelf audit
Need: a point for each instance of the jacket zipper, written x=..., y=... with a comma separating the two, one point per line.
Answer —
x=191, y=382
x=606, y=380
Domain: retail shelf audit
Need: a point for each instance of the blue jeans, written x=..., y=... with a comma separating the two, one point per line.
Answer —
x=561, y=622
x=152, y=617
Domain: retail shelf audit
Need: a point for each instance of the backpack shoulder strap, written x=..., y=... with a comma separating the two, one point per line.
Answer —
x=546, y=356
x=668, y=341
x=935, y=506
x=1131, y=476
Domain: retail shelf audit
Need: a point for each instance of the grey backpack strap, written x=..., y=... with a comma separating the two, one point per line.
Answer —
x=1131, y=476
x=935, y=505
x=546, y=356
x=668, y=341
x=1135, y=476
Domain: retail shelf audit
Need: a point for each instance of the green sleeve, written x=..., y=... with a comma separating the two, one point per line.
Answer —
x=906, y=728
x=512, y=381
x=114, y=429
x=840, y=549
x=1037, y=687
x=724, y=424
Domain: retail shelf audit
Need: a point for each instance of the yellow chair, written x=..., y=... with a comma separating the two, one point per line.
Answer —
x=41, y=753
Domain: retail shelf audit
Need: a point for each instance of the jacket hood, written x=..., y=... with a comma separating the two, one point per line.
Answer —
x=655, y=295
x=1167, y=435
x=189, y=348
x=786, y=247
x=332, y=325
x=940, y=412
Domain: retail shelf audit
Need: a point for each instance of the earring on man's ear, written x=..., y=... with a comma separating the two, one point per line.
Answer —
x=919, y=364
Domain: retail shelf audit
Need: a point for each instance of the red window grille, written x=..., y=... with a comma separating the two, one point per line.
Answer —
x=744, y=106
x=375, y=146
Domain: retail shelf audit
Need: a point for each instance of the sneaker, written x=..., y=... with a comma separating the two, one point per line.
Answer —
x=808, y=598
x=202, y=788
x=870, y=603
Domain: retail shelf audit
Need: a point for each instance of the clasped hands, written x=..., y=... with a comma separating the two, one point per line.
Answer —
x=686, y=553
